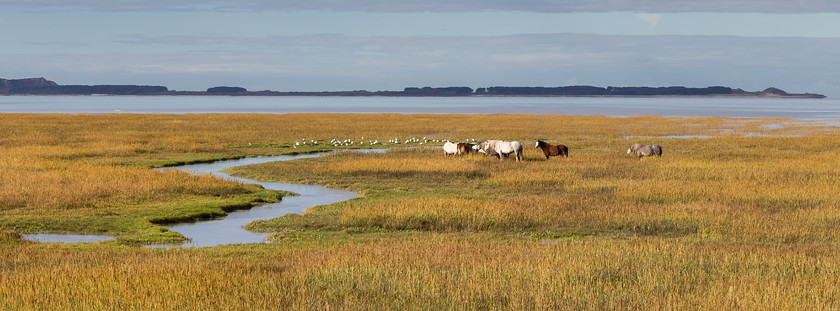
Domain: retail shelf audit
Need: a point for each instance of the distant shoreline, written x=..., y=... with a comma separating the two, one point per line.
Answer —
x=261, y=94
x=42, y=86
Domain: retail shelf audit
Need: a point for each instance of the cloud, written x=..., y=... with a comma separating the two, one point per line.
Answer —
x=548, y=6
x=343, y=62
x=649, y=18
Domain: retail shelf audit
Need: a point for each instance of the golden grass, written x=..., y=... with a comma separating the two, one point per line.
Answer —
x=427, y=271
x=55, y=185
x=745, y=217
x=763, y=189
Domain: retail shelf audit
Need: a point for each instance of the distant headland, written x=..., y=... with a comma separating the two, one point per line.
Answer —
x=42, y=86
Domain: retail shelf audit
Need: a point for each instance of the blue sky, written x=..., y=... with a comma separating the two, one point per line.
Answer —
x=387, y=45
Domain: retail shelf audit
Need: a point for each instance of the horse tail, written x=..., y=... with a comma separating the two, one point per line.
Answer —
x=656, y=150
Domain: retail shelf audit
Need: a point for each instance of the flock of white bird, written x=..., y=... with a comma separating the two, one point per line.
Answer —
x=350, y=142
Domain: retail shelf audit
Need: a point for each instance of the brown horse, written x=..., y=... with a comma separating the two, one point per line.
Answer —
x=552, y=150
x=464, y=148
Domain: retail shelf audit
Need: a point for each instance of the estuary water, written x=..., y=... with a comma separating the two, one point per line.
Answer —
x=798, y=108
x=228, y=229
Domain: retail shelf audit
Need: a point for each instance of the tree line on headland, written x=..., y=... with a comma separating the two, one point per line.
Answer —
x=41, y=86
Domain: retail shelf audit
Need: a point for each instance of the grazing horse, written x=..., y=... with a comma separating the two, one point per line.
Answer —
x=645, y=150
x=501, y=148
x=464, y=148
x=552, y=150
x=450, y=149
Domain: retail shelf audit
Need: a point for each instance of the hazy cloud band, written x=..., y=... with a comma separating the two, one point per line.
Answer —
x=548, y=6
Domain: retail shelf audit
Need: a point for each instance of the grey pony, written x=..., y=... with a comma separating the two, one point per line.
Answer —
x=645, y=150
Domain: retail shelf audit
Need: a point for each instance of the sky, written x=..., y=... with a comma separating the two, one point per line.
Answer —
x=331, y=45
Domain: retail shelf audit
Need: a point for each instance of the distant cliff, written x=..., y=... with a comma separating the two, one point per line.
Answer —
x=41, y=86
x=12, y=86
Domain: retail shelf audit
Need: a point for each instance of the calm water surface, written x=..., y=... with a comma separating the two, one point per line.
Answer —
x=812, y=109
x=228, y=229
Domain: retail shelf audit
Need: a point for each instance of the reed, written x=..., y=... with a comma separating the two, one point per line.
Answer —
x=752, y=191
x=426, y=271
x=738, y=213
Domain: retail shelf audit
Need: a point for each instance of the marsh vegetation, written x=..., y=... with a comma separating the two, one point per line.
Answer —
x=739, y=213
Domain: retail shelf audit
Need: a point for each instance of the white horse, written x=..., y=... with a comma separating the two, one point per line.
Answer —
x=450, y=149
x=501, y=148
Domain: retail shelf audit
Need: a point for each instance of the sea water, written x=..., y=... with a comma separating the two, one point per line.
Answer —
x=797, y=108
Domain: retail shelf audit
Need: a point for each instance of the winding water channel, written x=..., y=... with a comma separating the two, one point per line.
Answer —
x=228, y=229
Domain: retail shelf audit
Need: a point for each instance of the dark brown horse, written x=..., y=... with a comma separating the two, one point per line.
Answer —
x=464, y=148
x=552, y=150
